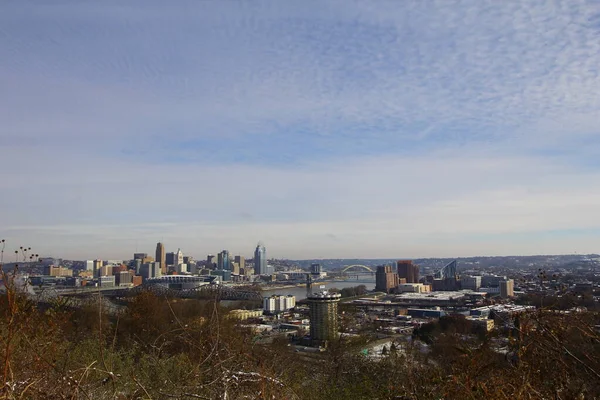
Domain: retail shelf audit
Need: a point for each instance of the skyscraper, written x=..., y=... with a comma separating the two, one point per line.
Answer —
x=323, y=316
x=241, y=261
x=178, y=257
x=161, y=257
x=223, y=261
x=408, y=271
x=260, y=259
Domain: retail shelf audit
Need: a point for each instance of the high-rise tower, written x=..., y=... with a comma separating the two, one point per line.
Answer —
x=323, y=316
x=408, y=271
x=260, y=259
x=161, y=257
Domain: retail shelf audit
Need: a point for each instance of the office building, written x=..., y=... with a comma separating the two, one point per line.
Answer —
x=409, y=271
x=507, y=288
x=278, y=304
x=97, y=265
x=89, y=265
x=210, y=262
x=178, y=257
x=323, y=316
x=170, y=258
x=260, y=260
x=470, y=282
x=235, y=268
x=385, y=279
x=106, y=281
x=241, y=261
x=105, y=270
x=223, y=261
x=139, y=256
x=492, y=280
x=161, y=257
x=124, y=278
x=150, y=270
x=316, y=269
x=188, y=260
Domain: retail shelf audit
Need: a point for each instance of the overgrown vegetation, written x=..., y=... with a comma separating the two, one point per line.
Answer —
x=159, y=348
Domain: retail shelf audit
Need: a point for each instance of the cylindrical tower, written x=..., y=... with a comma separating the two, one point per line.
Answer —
x=323, y=316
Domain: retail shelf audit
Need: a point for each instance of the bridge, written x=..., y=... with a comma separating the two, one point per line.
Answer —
x=209, y=291
x=357, y=266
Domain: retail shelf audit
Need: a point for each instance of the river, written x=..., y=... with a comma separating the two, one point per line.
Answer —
x=300, y=292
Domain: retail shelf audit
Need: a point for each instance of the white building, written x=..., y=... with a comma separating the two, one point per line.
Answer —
x=89, y=265
x=277, y=304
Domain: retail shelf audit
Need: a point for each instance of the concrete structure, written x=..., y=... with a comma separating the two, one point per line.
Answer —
x=323, y=316
x=507, y=288
x=278, y=304
x=161, y=257
x=385, y=279
x=470, y=282
x=409, y=271
x=260, y=260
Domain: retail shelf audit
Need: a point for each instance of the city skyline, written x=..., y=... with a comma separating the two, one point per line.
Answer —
x=464, y=129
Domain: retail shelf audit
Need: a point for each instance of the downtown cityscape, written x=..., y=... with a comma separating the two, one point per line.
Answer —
x=300, y=200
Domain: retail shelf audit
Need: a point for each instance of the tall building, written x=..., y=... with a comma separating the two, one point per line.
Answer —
x=316, y=269
x=223, y=262
x=385, y=279
x=170, y=258
x=210, y=261
x=241, y=261
x=409, y=271
x=161, y=257
x=323, y=316
x=260, y=260
x=139, y=256
x=97, y=265
x=507, y=288
x=178, y=257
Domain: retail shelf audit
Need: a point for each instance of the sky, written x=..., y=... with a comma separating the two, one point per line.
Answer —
x=324, y=129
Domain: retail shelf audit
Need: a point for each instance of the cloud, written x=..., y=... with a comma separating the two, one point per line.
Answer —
x=374, y=123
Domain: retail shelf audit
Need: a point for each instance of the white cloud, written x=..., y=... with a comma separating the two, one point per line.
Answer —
x=465, y=104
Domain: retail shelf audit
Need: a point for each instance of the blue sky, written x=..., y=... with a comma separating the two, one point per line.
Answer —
x=335, y=128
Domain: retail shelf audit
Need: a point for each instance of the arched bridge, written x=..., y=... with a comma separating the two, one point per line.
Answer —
x=356, y=266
